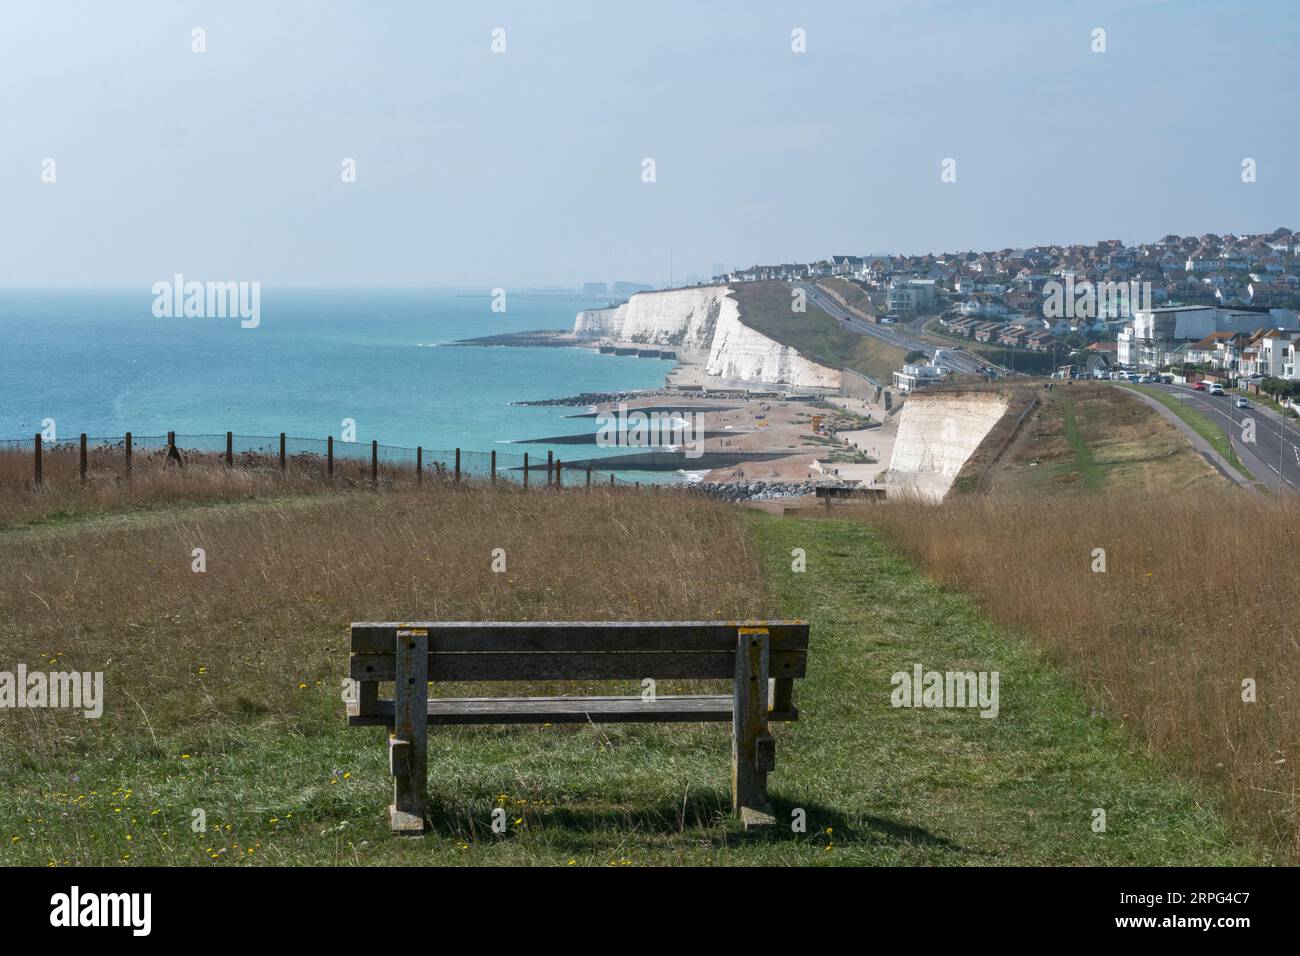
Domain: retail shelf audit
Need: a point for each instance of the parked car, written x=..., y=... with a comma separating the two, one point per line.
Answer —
x=1199, y=387
x=1242, y=402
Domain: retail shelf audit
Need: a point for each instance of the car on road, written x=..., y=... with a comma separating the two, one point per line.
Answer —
x=1199, y=387
x=1216, y=389
x=1242, y=402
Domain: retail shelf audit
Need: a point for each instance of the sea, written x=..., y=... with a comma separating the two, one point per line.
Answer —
x=101, y=362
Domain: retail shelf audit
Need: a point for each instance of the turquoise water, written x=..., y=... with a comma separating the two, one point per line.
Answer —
x=102, y=364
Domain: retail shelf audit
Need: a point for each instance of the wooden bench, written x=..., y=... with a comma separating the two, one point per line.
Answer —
x=762, y=659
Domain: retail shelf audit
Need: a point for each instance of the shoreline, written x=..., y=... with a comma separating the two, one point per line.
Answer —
x=758, y=440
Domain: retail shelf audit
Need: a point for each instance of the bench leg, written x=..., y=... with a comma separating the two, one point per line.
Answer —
x=408, y=753
x=753, y=751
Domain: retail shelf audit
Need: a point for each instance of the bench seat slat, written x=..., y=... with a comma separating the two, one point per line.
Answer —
x=471, y=636
x=689, y=708
x=575, y=666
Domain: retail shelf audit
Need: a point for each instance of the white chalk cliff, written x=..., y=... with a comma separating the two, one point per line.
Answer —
x=937, y=432
x=705, y=318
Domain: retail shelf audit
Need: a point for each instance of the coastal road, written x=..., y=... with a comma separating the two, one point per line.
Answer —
x=958, y=360
x=1277, y=441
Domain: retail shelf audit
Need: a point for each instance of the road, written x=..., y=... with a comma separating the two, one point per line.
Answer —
x=1275, y=444
x=959, y=361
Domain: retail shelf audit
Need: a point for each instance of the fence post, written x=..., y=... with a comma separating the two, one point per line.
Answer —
x=493, y=467
x=611, y=479
x=559, y=482
x=128, y=456
x=458, y=464
x=37, y=463
x=419, y=464
x=550, y=465
x=282, y=460
x=589, y=476
x=173, y=455
x=230, y=449
x=525, y=469
x=329, y=457
x=83, y=458
x=374, y=460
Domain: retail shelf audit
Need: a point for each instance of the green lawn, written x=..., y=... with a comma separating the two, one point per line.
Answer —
x=879, y=785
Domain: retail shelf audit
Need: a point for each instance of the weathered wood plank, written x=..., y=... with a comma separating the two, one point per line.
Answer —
x=367, y=699
x=686, y=708
x=574, y=666
x=475, y=636
x=752, y=750
x=408, y=746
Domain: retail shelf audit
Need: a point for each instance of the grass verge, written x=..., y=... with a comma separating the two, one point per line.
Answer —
x=1201, y=424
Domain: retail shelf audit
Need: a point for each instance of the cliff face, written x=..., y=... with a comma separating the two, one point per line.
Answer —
x=740, y=352
x=936, y=434
x=705, y=318
x=682, y=317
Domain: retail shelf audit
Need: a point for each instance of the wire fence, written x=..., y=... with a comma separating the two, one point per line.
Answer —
x=293, y=457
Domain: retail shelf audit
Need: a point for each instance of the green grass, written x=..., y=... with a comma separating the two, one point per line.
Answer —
x=1202, y=424
x=879, y=785
x=1091, y=474
x=765, y=307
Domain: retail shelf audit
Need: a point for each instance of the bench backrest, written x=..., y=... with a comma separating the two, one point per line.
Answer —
x=587, y=650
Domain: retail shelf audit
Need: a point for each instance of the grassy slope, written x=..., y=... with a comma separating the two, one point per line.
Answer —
x=851, y=292
x=1092, y=437
x=765, y=307
x=880, y=786
x=1202, y=424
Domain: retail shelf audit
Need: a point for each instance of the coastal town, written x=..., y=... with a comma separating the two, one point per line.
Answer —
x=1226, y=303
x=808, y=376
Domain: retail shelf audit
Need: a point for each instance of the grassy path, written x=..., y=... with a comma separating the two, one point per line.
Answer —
x=878, y=785
x=1091, y=474
x=947, y=786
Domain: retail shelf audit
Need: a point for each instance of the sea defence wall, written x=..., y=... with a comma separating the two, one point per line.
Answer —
x=705, y=318
x=937, y=432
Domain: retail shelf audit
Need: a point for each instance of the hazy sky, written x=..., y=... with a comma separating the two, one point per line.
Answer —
x=525, y=167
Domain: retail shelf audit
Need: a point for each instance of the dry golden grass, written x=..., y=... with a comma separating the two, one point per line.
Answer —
x=1198, y=595
x=286, y=576
x=1090, y=436
x=152, y=483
